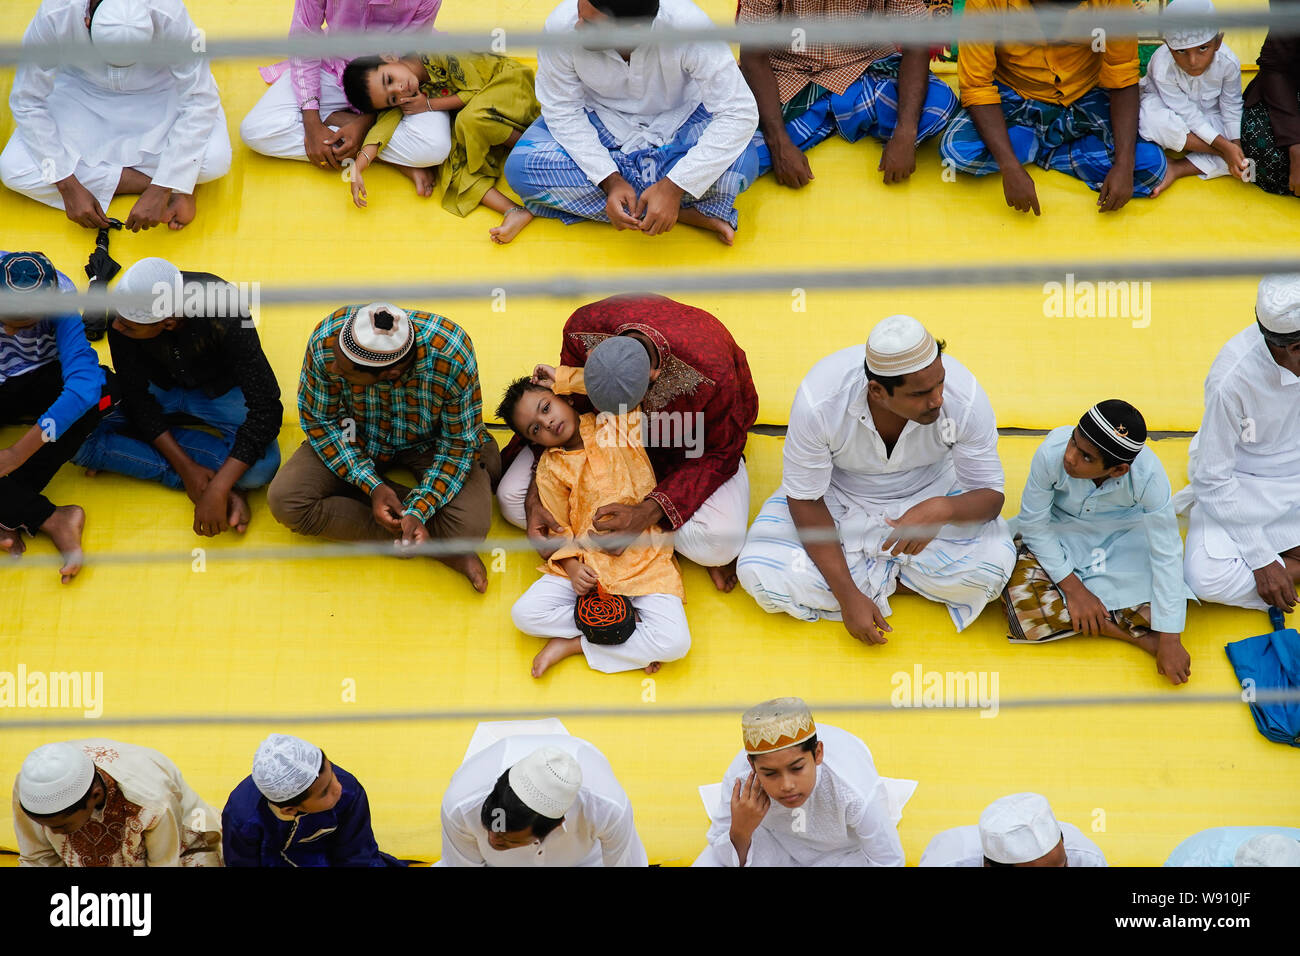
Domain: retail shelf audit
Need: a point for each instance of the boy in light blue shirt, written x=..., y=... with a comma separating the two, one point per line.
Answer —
x=1098, y=549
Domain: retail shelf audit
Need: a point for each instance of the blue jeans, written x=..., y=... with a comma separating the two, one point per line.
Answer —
x=111, y=447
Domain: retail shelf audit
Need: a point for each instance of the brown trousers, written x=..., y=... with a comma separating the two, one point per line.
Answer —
x=309, y=498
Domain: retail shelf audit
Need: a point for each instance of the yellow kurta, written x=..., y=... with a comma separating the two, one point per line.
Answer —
x=611, y=468
x=499, y=99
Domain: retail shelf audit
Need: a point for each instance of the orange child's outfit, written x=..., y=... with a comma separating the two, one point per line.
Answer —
x=611, y=467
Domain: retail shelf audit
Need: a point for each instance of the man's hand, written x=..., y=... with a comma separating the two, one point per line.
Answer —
x=1172, y=658
x=317, y=138
x=150, y=209
x=1236, y=159
x=582, y=577
x=9, y=461
x=623, y=521
x=80, y=206
x=196, y=481
x=620, y=200
x=387, y=508
x=749, y=804
x=413, y=532
x=349, y=138
x=1275, y=585
x=789, y=164
x=659, y=206
x=1087, y=614
x=212, y=511
x=1018, y=187
x=1116, y=189
x=898, y=161
x=540, y=524
x=917, y=526
x=862, y=619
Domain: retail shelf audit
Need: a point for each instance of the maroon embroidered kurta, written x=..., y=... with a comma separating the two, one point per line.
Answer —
x=701, y=369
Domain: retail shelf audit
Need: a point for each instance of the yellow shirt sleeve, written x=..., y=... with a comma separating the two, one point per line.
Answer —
x=570, y=381
x=384, y=128
x=554, y=495
x=977, y=61
x=1119, y=62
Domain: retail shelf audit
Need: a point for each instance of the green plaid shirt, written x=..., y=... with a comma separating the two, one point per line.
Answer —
x=437, y=405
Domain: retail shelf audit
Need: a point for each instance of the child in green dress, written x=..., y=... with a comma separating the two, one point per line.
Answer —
x=493, y=99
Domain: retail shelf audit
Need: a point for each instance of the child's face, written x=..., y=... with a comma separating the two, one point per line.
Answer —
x=1196, y=59
x=788, y=776
x=545, y=419
x=390, y=83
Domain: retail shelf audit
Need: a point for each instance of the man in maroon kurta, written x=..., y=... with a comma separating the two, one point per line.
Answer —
x=700, y=406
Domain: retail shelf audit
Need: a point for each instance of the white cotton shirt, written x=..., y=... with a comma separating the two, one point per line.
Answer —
x=961, y=846
x=1244, y=462
x=1216, y=91
x=101, y=114
x=844, y=822
x=832, y=448
x=598, y=829
x=643, y=102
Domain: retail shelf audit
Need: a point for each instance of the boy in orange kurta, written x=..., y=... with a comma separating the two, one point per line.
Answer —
x=592, y=460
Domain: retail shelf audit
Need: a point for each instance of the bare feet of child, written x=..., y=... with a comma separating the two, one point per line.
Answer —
x=512, y=223
x=182, y=210
x=691, y=216
x=724, y=578
x=1176, y=169
x=240, y=513
x=64, y=528
x=12, y=541
x=653, y=667
x=470, y=566
x=556, y=649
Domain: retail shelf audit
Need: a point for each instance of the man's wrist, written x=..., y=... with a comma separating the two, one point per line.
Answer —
x=612, y=182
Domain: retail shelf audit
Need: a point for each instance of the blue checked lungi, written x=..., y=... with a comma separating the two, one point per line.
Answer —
x=869, y=107
x=551, y=184
x=1074, y=139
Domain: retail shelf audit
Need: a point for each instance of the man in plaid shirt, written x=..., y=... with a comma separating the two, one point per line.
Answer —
x=382, y=387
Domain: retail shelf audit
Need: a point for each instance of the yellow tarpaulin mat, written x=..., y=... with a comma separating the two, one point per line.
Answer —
x=334, y=637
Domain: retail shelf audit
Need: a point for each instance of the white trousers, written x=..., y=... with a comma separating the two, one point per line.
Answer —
x=274, y=127
x=712, y=537
x=20, y=171
x=1162, y=126
x=963, y=568
x=546, y=610
x=1219, y=580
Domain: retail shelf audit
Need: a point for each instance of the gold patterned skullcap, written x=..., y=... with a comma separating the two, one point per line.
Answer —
x=776, y=724
x=900, y=345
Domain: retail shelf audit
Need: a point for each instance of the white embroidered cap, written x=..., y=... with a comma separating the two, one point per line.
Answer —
x=900, y=345
x=1268, y=849
x=142, y=278
x=54, y=777
x=1277, y=305
x=285, y=766
x=377, y=335
x=121, y=21
x=547, y=781
x=1019, y=828
x=1192, y=36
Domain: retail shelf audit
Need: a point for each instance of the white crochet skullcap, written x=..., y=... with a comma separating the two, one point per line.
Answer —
x=285, y=766
x=144, y=278
x=1277, y=306
x=368, y=345
x=547, y=781
x=1268, y=849
x=1191, y=36
x=900, y=345
x=54, y=777
x=1019, y=828
x=121, y=21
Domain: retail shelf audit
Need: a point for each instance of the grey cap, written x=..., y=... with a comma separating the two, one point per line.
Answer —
x=617, y=374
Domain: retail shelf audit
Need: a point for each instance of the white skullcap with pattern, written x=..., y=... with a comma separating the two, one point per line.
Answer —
x=285, y=766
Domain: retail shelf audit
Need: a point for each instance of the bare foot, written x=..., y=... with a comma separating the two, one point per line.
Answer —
x=1176, y=169
x=92, y=472
x=182, y=209
x=240, y=513
x=724, y=578
x=653, y=667
x=64, y=528
x=511, y=224
x=556, y=649
x=12, y=541
x=470, y=566
x=691, y=216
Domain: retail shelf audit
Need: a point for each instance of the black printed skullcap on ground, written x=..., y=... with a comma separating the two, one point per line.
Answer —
x=604, y=618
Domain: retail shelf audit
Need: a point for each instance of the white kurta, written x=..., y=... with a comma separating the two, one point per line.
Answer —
x=1244, y=465
x=598, y=829
x=844, y=822
x=833, y=451
x=643, y=102
x=160, y=822
x=961, y=846
x=1174, y=104
x=95, y=120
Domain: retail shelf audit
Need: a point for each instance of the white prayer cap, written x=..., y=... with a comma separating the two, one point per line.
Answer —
x=547, y=781
x=1190, y=36
x=1018, y=829
x=1268, y=849
x=121, y=21
x=776, y=724
x=142, y=278
x=285, y=766
x=1277, y=306
x=376, y=335
x=54, y=777
x=899, y=345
